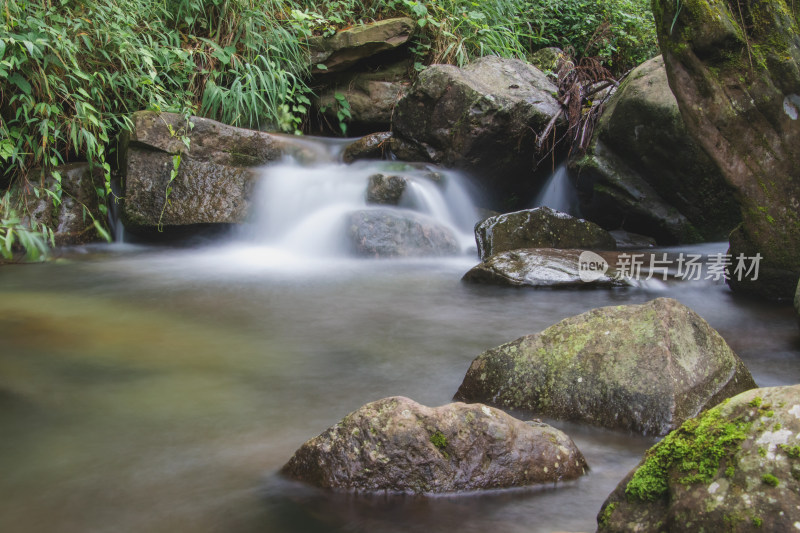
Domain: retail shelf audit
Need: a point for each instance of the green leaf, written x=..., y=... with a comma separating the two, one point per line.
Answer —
x=21, y=83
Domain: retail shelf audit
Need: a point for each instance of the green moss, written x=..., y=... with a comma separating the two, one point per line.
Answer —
x=730, y=471
x=755, y=402
x=696, y=450
x=605, y=516
x=791, y=451
x=440, y=441
x=757, y=521
x=770, y=480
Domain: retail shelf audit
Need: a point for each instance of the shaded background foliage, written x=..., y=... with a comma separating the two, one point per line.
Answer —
x=72, y=71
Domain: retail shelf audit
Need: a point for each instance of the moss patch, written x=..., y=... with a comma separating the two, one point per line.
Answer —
x=697, y=450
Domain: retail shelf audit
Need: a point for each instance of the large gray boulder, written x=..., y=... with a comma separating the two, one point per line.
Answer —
x=645, y=173
x=398, y=445
x=735, y=467
x=541, y=227
x=645, y=368
x=543, y=268
x=398, y=233
x=483, y=118
x=216, y=172
x=733, y=67
x=347, y=47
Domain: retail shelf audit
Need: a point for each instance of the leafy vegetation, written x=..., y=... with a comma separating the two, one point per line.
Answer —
x=71, y=73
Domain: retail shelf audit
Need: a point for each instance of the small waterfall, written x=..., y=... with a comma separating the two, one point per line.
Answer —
x=302, y=208
x=558, y=193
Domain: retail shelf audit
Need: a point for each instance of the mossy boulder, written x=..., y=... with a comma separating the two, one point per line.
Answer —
x=72, y=220
x=734, y=68
x=398, y=445
x=735, y=467
x=543, y=268
x=483, y=118
x=345, y=48
x=398, y=233
x=644, y=368
x=216, y=172
x=643, y=171
x=540, y=227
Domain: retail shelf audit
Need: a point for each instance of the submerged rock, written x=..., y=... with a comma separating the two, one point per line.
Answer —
x=398, y=445
x=398, y=233
x=543, y=267
x=734, y=468
x=541, y=227
x=385, y=189
x=347, y=47
x=645, y=173
x=733, y=67
x=645, y=368
x=483, y=118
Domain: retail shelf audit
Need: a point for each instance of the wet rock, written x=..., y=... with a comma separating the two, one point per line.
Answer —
x=73, y=219
x=215, y=176
x=645, y=173
x=347, y=47
x=735, y=467
x=385, y=189
x=544, y=268
x=541, y=227
x=398, y=445
x=733, y=68
x=632, y=241
x=645, y=368
x=398, y=233
x=483, y=118
x=372, y=146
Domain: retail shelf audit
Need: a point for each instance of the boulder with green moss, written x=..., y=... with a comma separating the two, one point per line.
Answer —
x=216, y=168
x=644, y=172
x=735, y=467
x=483, y=118
x=540, y=227
x=645, y=368
x=398, y=445
x=734, y=70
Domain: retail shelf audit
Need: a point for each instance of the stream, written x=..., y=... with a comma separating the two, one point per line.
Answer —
x=161, y=389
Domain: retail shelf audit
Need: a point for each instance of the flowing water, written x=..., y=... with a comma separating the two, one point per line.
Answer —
x=558, y=193
x=160, y=390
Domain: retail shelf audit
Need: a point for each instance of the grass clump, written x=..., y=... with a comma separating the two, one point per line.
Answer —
x=696, y=450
